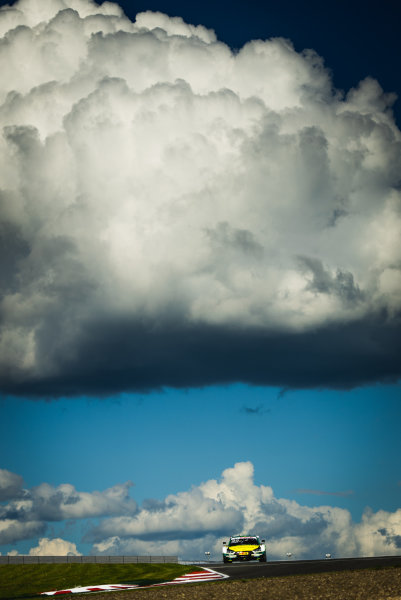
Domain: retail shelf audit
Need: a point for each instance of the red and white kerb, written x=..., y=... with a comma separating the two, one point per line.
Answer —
x=204, y=575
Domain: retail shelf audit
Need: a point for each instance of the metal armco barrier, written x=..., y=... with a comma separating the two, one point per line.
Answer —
x=41, y=560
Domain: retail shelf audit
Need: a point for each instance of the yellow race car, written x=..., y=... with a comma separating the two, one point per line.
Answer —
x=244, y=547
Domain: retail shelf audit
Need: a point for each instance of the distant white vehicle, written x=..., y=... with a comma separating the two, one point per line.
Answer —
x=244, y=547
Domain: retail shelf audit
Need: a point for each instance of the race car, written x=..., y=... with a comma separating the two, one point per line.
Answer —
x=244, y=547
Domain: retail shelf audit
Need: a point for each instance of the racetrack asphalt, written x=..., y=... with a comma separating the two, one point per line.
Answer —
x=355, y=579
x=250, y=570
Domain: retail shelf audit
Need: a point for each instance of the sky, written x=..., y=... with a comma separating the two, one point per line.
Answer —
x=200, y=277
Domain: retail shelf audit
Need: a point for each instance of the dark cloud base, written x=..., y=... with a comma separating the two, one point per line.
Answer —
x=122, y=356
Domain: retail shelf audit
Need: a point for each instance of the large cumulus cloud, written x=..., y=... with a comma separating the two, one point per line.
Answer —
x=51, y=547
x=174, y=213
x=234, y=504
x=189, y=523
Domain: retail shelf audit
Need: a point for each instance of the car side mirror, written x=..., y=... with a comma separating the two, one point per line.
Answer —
x=263, y=541
x=224, y=543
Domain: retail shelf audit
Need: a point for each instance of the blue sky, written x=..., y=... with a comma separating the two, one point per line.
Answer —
x=315, y=447
x=309, y=440
x=204, y=354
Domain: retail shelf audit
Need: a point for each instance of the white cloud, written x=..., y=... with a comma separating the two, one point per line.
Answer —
x=51, y=547
x=54, y=547
x=16, y=529
x=184, y=515
x=378, y=532
x=190, y=523
x=10, y=485
x=65, y=502
x=27, y=513
x=150, y=175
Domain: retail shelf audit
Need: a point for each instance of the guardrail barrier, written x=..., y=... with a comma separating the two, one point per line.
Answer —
x=40, y=560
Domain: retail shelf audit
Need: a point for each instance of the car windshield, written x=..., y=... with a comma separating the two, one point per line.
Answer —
x=246, y=541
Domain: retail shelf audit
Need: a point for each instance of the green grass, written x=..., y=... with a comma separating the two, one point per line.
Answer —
x=28, y=581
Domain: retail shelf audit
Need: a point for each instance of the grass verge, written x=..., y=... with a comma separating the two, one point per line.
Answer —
x=28, y=581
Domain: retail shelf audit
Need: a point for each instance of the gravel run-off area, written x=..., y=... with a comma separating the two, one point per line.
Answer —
x=366, y=584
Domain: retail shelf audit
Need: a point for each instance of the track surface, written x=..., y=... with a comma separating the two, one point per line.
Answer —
x=250, y=570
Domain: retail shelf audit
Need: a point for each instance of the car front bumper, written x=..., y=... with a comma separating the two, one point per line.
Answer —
x=245, y=556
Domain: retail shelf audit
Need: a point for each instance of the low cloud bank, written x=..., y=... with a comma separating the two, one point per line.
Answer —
x=190, y=523
x=28, y=511
x=174, y=213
